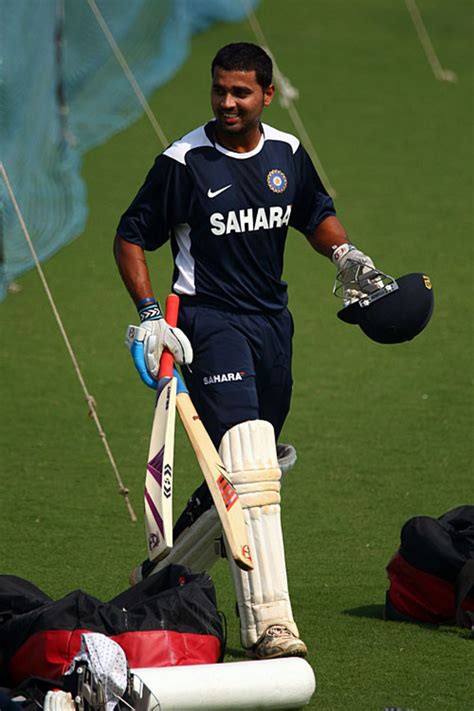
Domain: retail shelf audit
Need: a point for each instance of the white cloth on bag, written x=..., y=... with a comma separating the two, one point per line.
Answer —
x=108, y=664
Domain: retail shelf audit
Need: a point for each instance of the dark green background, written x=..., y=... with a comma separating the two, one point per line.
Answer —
x=383, y=433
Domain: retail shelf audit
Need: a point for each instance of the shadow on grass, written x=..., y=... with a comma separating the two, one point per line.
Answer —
x=377, y=612
x=372, y=611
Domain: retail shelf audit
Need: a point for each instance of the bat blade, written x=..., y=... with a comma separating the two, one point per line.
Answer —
x=158, y=493
x=224, y=495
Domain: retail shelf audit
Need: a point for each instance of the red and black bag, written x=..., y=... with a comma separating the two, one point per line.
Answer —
x=432, y=574
x=168, y=619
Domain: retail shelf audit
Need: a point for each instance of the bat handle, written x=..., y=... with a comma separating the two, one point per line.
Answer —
x=171, y=315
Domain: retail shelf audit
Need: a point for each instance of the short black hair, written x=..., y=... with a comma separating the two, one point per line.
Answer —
x=245, y=57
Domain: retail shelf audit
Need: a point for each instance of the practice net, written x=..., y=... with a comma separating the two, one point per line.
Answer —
x=62, y=91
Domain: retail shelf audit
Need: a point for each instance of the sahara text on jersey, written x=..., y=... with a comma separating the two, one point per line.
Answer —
x=250, y=220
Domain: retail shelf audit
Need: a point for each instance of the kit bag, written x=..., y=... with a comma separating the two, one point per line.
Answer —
x=168, y=619
x=432, y=574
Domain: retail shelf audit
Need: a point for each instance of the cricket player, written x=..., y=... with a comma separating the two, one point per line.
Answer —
x=225, y=195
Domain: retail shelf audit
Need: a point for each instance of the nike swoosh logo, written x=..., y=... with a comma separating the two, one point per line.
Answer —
x=215, y=193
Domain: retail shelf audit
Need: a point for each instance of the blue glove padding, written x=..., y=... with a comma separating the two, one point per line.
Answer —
x=146, y=343
x=134, y=342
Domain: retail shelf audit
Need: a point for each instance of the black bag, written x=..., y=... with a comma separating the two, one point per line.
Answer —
x=168, y=619
x=432, y=574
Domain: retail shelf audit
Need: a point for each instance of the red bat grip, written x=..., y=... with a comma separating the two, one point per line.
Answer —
x=171, y=315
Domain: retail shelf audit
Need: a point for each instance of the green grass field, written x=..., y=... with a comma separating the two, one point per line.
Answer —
x=383, y=433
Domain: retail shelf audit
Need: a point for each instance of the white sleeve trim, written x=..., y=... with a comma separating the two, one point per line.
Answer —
x=184, y=261
x=273, y=134
x=195, y=139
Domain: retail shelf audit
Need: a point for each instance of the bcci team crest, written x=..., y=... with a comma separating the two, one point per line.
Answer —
x=276, y=181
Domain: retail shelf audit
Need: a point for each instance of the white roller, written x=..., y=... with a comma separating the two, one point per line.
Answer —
x=266, y=684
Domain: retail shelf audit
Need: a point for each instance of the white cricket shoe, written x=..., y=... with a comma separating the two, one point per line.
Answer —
x=279, y=641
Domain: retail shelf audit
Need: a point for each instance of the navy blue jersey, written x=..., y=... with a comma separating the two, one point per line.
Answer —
x=227, y=215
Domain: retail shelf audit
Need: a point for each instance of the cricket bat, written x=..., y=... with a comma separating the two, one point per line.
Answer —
x=225, y=497
x=158, y=493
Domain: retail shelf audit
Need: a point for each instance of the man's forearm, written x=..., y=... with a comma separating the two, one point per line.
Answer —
x=131, y=262
x=328, y=234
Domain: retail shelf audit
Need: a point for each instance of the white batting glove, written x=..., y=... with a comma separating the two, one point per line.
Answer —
x=352, y=264
x=147, y=341
x=58, y=701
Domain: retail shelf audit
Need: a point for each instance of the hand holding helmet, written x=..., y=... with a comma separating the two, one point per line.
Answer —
x=387, y=310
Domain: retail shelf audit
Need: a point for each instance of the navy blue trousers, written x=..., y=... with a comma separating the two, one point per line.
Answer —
x=241, y=369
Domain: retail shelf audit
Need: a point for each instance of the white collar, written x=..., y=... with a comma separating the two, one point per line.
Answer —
x=241, y=156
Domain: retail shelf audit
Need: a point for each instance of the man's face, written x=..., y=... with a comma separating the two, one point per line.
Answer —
x=237, y=100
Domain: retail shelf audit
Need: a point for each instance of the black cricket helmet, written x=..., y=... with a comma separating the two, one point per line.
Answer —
x=395, y=312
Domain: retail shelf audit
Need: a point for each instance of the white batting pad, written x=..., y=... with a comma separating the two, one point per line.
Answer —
x=249, y=454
